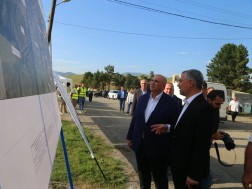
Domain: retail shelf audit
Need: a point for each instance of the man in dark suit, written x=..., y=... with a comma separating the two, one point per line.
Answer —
x=169, y=89
x=150, y=146
x=138, y=93
x=122, y=95
x=191, y=136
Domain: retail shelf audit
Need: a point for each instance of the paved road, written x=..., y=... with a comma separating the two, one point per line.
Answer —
x=114, y=124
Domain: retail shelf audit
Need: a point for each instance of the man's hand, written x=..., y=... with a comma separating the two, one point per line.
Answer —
x=190, y=182
x=218, y=135
x=129, y=142
x=159, y=128
x=247, y=180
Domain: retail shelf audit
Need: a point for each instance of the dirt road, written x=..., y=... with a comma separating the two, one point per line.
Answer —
x=114, y=124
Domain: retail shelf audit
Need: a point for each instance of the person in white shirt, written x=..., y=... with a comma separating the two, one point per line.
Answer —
x=234, y=107
x=129, y=100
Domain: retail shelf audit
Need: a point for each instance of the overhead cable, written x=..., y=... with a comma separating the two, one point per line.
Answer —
x=174, y=14
x=151, y=35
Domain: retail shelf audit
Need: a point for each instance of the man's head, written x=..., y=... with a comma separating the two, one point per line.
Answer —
x=82, y=85
x=209, y=89
x=190, y=82
x=122, y=88
x=235, y=98
x=215, y=98
x=68, y=84
x=169, y=89
x=157, y=84
x=143, y=84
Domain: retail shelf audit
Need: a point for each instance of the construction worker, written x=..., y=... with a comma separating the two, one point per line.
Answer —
x=82, y=90
x=74, y=95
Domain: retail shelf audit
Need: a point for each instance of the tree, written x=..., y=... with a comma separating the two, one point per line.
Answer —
x=229, y=66
x=151, y=75
x=87, y=79
x=119, y=80
x=110, y=74
x=131, y=81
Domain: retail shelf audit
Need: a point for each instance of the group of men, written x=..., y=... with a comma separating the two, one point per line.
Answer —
x=164, y=133
x=79, y=94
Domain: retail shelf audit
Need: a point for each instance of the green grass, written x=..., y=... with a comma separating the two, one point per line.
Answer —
x=83, y=168
x=76, y=78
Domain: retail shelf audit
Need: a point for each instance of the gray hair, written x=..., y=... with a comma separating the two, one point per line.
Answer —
x=195, y=75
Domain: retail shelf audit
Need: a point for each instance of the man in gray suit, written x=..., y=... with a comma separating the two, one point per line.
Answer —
x=138, y=93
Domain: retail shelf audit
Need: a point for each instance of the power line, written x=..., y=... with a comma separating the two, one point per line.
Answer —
x=174, y=14
x=151, y=35
x=216, y=9
x=192, y=13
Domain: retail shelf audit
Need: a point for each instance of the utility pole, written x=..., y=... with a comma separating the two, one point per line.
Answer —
x=51, y=17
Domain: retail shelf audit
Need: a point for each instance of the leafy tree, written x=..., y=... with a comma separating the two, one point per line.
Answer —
x=131, y=81
x=151, y=75
x=110, y=75
x=96, y=79
x=88, y=79
x=143, y=76
x=229, y=66
x=119, y=80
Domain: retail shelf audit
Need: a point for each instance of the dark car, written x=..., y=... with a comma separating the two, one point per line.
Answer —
x=97, y=93
x=105, y=94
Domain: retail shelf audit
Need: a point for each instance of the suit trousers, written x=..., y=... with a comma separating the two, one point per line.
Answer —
x=147, y=166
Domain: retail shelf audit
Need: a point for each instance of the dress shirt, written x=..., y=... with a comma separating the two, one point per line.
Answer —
x=250, y=138
x=234, y=105
x=122, y=94
x=186, y=104
x=151, y=105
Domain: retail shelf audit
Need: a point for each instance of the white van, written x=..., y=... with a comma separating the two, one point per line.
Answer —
x=217, y=86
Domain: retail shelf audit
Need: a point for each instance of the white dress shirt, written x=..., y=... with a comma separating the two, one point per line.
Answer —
x=186, y=104
x=152, y=103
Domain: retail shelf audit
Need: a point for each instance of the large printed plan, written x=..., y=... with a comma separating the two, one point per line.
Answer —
x=30, y=121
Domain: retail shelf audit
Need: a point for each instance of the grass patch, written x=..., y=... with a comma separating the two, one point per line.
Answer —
x=83, y=168
x=76, y=78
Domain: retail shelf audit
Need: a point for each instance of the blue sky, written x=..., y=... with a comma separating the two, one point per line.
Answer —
x=142, y=40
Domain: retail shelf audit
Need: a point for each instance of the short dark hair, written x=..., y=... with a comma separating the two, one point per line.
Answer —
x=214, y=93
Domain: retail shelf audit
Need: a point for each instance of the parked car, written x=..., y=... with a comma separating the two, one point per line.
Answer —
x=97, y=93
x=105, y=94
x=113, y=94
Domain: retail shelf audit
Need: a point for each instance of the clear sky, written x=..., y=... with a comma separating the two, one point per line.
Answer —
x=148, y=35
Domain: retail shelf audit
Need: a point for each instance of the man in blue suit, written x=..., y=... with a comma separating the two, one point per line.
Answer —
x=150, y=146
x=122, y=96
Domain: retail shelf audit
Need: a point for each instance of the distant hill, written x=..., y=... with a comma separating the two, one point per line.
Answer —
x=75, y=77
x=132, y=73
x=64, y=74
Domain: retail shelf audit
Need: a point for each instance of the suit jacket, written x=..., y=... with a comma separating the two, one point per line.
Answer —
x=191, y=139
x=165, y=112
x=120, y=94
x=179, y=101
x=137, y=94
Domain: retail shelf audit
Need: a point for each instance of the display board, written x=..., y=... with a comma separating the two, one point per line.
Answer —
x=30, y=121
